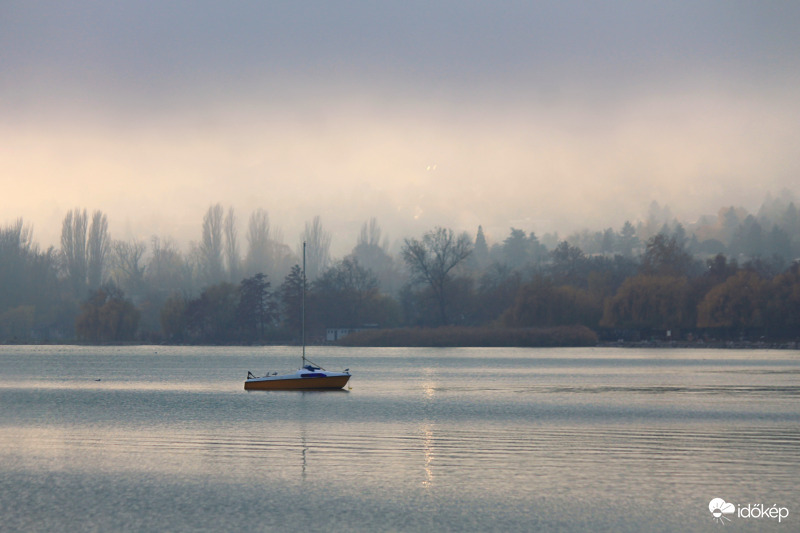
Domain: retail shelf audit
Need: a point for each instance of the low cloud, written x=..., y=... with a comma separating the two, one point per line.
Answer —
x=549, y=119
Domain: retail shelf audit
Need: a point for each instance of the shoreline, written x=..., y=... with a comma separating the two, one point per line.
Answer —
x=700, y=345
x=650, y=344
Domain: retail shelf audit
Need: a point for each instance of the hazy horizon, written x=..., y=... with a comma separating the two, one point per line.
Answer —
x=544, y=117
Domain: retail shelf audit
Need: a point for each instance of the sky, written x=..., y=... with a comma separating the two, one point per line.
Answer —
x=543, y=116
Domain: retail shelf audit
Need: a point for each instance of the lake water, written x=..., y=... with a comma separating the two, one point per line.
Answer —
x=601, y=439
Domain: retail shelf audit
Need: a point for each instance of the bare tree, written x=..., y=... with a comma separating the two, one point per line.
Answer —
x=16, y=256
x=318, y=245
x=370, y=234
x=98, y=246
x=281, y=257
x=18, y=236
x=432, y=259
x=73, y=249
x=128, y=270
x=343, y=292
x=85, y=253
x=373, y=254
x=232, y=257
x=258, y=243
x=210, y=249
x=167, y=271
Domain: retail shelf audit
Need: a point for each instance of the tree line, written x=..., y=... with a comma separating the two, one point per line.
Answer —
x=728, y=277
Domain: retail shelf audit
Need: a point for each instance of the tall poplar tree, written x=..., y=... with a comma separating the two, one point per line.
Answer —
x=318, y=242
x=211, y=247
x=98, y=247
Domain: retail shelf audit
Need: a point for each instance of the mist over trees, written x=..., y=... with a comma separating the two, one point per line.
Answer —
x=734, y=275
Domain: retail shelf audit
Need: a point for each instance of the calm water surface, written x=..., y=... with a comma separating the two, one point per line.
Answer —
x=424, y=440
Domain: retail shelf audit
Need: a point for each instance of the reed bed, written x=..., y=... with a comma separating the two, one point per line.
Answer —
x=457, y=336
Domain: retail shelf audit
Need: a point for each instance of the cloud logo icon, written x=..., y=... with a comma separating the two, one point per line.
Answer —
x=719, y=508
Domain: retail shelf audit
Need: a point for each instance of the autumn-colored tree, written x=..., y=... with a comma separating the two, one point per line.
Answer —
x=737, y=303
x=648, y=302
x=107, y=317
x=540, y=303
x=782, y=311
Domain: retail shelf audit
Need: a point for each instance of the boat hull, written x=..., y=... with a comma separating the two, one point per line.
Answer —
x=295, y=383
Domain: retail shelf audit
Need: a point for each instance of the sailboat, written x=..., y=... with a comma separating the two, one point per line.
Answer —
x=309, y=376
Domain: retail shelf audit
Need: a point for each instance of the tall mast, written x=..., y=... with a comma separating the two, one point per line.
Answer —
x=303, y=320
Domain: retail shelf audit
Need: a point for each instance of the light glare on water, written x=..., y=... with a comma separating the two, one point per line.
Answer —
x=427, y=440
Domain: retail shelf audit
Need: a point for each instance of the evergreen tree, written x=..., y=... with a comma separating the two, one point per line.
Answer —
x=291, y=295
x=516, y=252
x=627, y=240
x=664, y=256
x=256, y=310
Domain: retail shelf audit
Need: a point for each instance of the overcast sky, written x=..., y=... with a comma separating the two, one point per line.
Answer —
x=545, y=116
